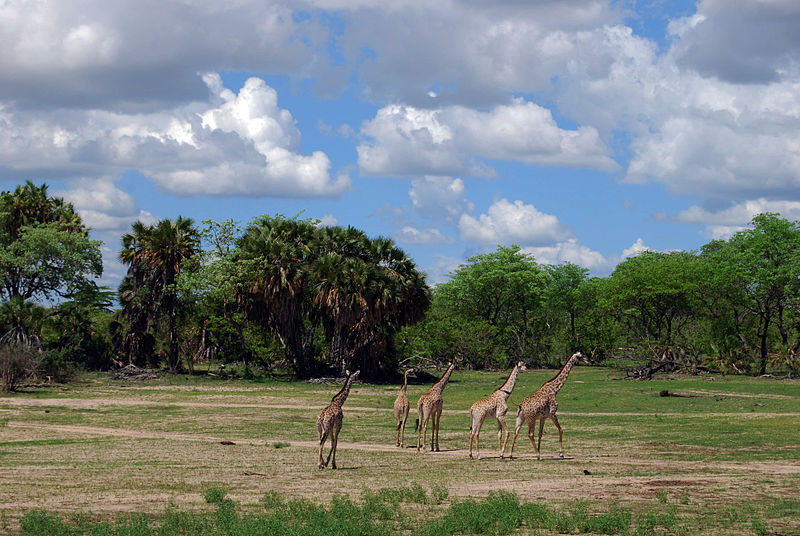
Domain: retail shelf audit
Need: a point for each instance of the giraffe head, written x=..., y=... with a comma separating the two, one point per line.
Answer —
x=580, y=358
x=521, y=366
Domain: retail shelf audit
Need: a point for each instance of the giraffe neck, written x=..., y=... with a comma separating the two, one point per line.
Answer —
x=341, y=396
x=508, y=387
x=405, y=382
x=561, y=378
x=439, y=386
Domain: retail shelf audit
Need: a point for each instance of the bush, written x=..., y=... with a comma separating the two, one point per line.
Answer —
x=17, y=364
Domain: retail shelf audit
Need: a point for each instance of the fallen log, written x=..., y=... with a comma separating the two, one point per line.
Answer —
x=682, y=395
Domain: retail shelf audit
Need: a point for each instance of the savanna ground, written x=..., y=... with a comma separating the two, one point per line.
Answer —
x=724, y=462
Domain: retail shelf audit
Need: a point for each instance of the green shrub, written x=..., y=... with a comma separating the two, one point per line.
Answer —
x=17, y=364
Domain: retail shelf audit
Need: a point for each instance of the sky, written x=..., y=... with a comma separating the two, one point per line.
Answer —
x=584, y=131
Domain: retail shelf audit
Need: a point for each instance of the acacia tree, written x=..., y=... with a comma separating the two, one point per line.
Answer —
x=503, y=290
x=207, y=284
x=654, y=292
x=567, y=294
x=45, y=250
x=758, y=271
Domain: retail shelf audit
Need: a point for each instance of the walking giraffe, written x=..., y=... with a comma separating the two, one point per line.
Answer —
x=401, y=409
x=430, y=407
x=542, y=404
x=329, y=420
x=495, y=406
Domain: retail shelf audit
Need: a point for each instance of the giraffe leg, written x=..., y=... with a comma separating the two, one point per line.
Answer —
x=403, y=431
x=424, y=431
x=532, y=436
x=517, y=426
x=539, y=445
x=334, y=444
x=322, y=439
x=502, y=429
x=419, y=426
x=433, y=430
x=399, y=424
x=476, y=432
x=438, y=417
x=560, y=436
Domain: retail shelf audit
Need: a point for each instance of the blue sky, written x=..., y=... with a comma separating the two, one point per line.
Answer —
x=584, y=131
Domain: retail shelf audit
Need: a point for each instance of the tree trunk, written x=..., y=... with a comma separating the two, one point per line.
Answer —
x=572, y=327
x=763, y=367
x=173, y=338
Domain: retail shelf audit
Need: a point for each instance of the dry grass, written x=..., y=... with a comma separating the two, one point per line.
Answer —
x=104, y=449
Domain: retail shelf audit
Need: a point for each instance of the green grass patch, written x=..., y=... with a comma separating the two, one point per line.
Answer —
x=383, y=513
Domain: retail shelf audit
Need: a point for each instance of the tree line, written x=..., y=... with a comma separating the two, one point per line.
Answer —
x=290, y=295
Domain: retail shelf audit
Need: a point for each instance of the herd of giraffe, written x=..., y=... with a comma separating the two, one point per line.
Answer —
x=539, y=406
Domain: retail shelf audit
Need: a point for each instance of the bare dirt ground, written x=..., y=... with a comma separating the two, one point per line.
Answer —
x=122, y=467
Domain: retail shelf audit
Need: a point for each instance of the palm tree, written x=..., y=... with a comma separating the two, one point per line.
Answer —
x=366, y=289
x=154, y=255
x=171, y=243
x=273, y=263
x=134, y=292
x=298, y=277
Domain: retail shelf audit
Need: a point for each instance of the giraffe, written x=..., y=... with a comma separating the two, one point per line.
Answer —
x=430, y=407
x=542, y=404
x=401, y=409
x=329, y=420
x=494, y=406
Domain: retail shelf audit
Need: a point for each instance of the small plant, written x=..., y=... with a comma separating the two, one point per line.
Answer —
x=439, y=494
x=662, y=496
x=272, y=501
x=17, y=364
x=281, y=444
x=215, y=495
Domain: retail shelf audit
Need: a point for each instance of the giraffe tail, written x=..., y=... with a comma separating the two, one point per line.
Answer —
x=470, y=419
x=416, y=424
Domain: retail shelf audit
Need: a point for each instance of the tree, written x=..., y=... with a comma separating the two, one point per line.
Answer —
x=209, y=285
x=365, y=290
x=654, y=292
x=758, y=269
x=504, y=290
x=274, y=262
x=76, y=331
x=301, y=281
x=566, y=293
x=45, y=250
x=154, y=254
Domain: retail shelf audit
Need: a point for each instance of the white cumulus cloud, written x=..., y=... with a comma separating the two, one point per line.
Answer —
x=245, y=144
x=723, y=223
x=570, y=251
x=635, y=248
x=407, y=141
x=411, y=235
x=440, y=198
x=508, y=223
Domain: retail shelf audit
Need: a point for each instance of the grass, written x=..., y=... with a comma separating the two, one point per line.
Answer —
x=384, y=513
x=671, y=465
